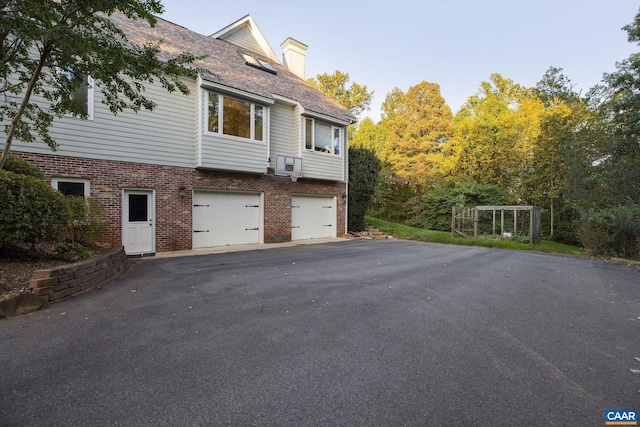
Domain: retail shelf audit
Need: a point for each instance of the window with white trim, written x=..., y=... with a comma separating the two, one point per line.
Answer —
x=83, y=94
x=322, y=136
x=235, y=117
x=72, y=186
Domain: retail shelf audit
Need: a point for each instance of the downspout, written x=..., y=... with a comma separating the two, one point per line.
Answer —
x=346, y=179
x=199, y=121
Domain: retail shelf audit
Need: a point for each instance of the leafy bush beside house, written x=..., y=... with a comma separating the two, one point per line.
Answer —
x=87, y=219
x=32, y=211
x=22, y=167
x=364, y=167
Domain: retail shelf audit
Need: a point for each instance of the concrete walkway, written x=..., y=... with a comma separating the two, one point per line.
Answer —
x=241, y=248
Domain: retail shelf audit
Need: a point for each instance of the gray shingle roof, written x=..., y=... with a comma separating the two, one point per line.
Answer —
x=226, y=62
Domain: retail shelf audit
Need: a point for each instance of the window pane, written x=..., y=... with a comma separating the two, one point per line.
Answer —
x=81, y=95
x=336, y=141
x=214, y=105
x=258, y=123
x=138, y=208
x=322, y=137
x=308, y=135
x=71, y=188
x=237, y=118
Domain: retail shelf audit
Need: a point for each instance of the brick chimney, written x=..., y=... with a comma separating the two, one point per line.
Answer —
x=294, y=54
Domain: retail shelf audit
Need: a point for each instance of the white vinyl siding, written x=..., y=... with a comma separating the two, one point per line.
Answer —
x=164, y=136
x=322, y=166
x=243, y=38
x=220, y=152
x=284, y=139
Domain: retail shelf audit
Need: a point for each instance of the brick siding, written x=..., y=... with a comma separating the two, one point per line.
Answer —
x=174, y=190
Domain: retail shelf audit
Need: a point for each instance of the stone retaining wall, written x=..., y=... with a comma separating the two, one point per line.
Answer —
x=66, y=280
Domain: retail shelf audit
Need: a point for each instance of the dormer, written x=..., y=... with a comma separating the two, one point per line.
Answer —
x=246, y=34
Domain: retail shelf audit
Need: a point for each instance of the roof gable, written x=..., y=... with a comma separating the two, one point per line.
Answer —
x=246, y=34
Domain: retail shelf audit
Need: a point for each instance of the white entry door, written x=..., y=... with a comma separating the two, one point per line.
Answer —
x=138, y=222
x=312, y=217
x=225, y=219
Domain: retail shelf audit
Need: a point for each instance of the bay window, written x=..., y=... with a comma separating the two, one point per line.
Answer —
x=235, y=117
x=322, y=137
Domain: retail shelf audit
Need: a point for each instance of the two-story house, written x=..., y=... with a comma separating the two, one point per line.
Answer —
x=253, y=155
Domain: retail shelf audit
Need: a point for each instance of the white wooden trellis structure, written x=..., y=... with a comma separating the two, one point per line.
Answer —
x=465, y=221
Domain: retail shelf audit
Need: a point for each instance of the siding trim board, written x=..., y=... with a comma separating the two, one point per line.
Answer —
x=227, y=90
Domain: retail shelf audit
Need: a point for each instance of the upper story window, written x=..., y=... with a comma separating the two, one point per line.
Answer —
x=235, y=117
x=322, y=136
x=83, y=94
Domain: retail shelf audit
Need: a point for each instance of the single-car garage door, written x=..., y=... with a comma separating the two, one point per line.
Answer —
x=223, y=219
x=312, y=217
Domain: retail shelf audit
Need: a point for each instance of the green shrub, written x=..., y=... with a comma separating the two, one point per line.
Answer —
x=611, y=231
x=32, y=211
x=22, y=167
x=72, y=251
x=364, y=167
x=86, y=219
x=436, y=213
x=393, y=199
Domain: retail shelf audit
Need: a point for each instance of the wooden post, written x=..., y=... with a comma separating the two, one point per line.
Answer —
x=493, y=231
x=531, y=226
x=453, y=222
x=475, y=223
x=501, y=223
x=515, y=223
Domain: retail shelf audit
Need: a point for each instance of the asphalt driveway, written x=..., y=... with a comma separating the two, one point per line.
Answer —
x=341, y=334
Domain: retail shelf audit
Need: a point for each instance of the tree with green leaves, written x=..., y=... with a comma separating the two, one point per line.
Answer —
x=560, y=153
x=356, y=98
x=364, y=167
x=609, y=179
x=417, y=124
x=618, y=102
x=495, y=138
x=48, y=49
x=439, y=201
x=368, y=134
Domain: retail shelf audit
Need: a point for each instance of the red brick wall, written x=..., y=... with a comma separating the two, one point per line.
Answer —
x=174, y=189
x=72, y=279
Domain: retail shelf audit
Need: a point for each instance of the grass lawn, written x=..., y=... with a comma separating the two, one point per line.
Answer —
x=412, y=233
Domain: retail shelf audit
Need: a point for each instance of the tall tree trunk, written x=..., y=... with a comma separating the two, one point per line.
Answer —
x=23, y=106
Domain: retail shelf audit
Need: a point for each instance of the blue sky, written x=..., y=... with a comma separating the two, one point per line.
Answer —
x=456, y=43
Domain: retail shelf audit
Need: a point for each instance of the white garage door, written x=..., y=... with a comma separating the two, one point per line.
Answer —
x=223, y=219
x=312, y=217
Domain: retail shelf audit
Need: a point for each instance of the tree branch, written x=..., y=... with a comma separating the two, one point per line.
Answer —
x=25, y=101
